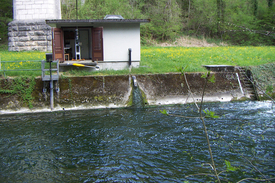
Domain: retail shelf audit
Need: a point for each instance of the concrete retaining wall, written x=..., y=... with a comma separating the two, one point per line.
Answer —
x=115, y=91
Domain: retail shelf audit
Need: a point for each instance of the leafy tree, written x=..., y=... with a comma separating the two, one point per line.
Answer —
x=5, y=18
x=165, y=19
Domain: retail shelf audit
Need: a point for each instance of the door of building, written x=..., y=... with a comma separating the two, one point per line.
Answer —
x=58, y=44
x=97, y=44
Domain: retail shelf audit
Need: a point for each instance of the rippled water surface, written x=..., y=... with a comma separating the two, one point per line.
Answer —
x=137, y=144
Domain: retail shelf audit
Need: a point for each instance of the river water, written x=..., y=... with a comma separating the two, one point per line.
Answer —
x=138, y=144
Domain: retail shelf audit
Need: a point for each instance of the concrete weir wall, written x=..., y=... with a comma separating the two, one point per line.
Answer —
x=116, y=91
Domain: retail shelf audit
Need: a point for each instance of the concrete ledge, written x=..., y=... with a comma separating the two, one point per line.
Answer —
x=116, y=91
x=116, y=65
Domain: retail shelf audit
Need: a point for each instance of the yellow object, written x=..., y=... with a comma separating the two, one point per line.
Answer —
x=79, y=65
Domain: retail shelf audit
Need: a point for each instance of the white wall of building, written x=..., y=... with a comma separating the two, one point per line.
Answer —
x=118, y=38
x=36, y=9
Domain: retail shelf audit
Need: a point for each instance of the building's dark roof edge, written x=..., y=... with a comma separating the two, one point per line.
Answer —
x=54, y=21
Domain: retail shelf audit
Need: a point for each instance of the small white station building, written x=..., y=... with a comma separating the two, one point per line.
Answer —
x=112, y=42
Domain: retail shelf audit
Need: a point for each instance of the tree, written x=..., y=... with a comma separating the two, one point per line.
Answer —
x=5, y=18
x=165, y=19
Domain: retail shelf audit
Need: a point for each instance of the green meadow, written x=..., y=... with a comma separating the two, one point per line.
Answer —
x=153, y=60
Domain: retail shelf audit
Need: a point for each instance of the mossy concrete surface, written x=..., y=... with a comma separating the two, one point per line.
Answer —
x=165, y=89
x=115, y=91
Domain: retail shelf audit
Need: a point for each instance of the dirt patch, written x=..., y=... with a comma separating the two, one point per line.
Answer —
x=187, y=41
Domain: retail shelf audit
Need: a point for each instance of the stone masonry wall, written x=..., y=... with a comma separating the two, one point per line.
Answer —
x=28, y=31
x=29, y=35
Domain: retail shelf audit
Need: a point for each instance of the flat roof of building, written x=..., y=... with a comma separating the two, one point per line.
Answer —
x=91, y=22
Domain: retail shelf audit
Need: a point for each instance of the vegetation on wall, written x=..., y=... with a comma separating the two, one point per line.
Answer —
x=22, y=87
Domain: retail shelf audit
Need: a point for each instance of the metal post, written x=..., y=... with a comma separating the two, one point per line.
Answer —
x=76, y=9
x=51, y=86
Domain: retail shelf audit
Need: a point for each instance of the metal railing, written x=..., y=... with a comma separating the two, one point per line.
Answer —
x=4, y=66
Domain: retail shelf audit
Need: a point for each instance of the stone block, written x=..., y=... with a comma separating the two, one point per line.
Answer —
x=30, y=43
x=11, y=44
x=39, y=33
x=43, y=11
x=38, y=38
x=39, y=48
x=22, y=34
x=36, y=6
x=42, y=43
x=14, y=28
x=24, y=28
x=31, y=33
x=49, y=48
x=22, y=11
x=40, y=22
x=49, y=38
x=27, y=48
x=29, y=7
x=13, y=39
x=20, y=44
x=35, y=27
x=39, y=2
x=45, y=27
x=20, y=23
x=48, y=32
x=28, y=2
x=31, y=23
x=21, y=7
x=11, y=34
x=29, y=17
x=24, y=39
x=35, y=48
x=43, y=48
x=12, y=23
x=42, y=16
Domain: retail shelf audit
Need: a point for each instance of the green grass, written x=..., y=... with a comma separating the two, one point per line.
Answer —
x=167, y=59
x=28, y=62
x=155, y=60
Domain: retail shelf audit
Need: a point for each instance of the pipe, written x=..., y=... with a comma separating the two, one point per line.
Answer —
x=134, y=81
x=51, y=86
x=130, y=56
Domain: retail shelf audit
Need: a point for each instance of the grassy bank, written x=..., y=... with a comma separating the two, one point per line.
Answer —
x=155, y=60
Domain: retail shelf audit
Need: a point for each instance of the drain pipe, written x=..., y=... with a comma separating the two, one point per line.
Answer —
x=51, y=85
x=134, y=81
x=130, y=56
